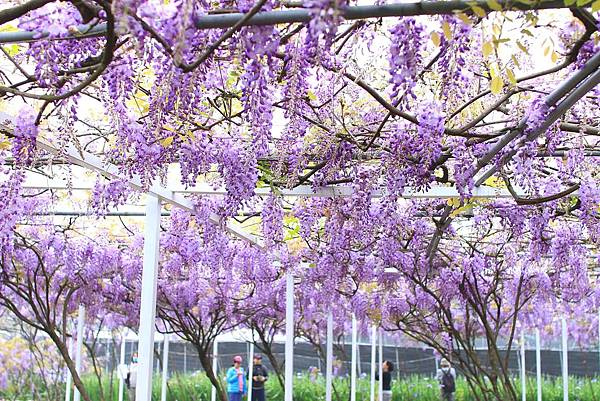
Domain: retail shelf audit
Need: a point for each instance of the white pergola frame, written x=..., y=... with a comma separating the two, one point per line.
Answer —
x=571, y=90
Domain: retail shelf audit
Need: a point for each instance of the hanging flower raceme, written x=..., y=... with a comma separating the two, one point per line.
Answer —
x=25, y=132
x=405, y=57
x=272, y=221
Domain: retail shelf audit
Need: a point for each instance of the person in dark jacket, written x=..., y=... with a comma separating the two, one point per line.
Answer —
x=259, y=377
x=387, y=369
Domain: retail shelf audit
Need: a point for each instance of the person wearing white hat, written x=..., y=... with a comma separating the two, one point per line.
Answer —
x=446, y=376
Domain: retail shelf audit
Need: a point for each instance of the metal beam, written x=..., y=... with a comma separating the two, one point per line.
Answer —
x=303, y=16
x=302, y=191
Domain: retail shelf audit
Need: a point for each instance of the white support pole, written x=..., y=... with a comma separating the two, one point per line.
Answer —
x=69, y=381
x=79, y=349
x=215, y=366
x=523, y=373
x=538, y=365
x=373, y=361
x=353, y=360
x=565, y=360
x=185, y=359
x=250, y=370
x=148, y=301
x=165, y=368
x=380, y=365
x=329, y=362
x=289, y=336
x=121, y=363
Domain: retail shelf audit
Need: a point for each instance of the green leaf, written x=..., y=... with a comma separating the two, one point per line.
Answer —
x=581, y=3
x=596, y=6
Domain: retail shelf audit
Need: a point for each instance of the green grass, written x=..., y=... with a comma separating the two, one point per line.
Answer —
x=414, y=388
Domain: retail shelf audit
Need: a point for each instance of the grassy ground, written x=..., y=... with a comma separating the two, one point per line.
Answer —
x=197, y=388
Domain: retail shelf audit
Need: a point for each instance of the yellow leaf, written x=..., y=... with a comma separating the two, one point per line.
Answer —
x=454, y=202
x=596, y=6
x=554, y=57
x=461, y=209
x=511, y=76
x=447, y=30
x=436, y=39
x=465, y=18
x=514, y=59
x=479, y=11
x=487, y=49
x=496, y=85
x=169, y=128
x=522, y=47
x=546, y=51
x=494, y=182
x=166, y=142
x=494, y=5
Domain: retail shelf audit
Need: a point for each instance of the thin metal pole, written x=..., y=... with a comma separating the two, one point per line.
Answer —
x=373, y=360
x=329, y=361
x=538, y=365
x=165, y=368
x=148, y=301
x=289, y=336
x=303, y=15
x=565, y=360
x=185, y=358
x=250, y=370
x=353, y=360
x=121, y=363
x=79, y=349
x=380, y=365
x=523, y=373
x=68, y=372
x=215, y=366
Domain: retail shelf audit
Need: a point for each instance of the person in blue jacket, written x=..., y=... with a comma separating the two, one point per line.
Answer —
x=236, y=380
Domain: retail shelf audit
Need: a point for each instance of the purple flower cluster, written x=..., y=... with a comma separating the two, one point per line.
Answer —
x=26, y=132
x=405, y=56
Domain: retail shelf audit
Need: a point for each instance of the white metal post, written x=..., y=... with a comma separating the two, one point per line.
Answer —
x=148, y=301
x=373, y=360
x=289, y=336
x=165, y=368
x=250, y=370
x=523, y=375
x=565, y=358
x=215, y=366
x=329, y=361
x=68, y=372
x=353, y=360
x=538, y=365
x=121, y=363
x=79, y=349
x=380, y=365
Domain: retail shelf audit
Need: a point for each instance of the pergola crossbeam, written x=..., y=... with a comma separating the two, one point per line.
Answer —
x=303, y=15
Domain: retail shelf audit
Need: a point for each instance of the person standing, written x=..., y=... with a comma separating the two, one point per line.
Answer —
x=259, y=377
x=446, y=376
x=387, y=368
x=236, y=380
x=131, y=379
